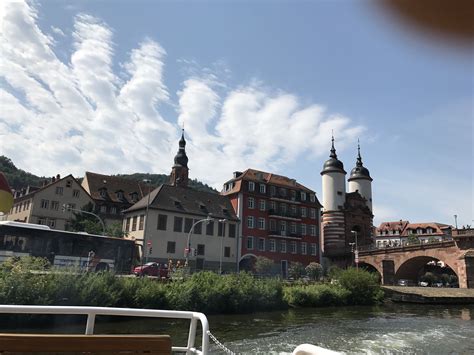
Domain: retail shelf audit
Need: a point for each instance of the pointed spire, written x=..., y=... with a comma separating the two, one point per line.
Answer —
x=182, y=141
x=359, y=158
x=181, y=158
x=333, y=150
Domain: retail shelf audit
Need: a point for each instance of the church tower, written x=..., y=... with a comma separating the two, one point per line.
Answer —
x=360, y=180
x=334, y=197
x=180, y=171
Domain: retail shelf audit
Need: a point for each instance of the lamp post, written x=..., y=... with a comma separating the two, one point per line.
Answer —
x=69, y=208
x=188, y=245
x=145, y=245
x=356, y=251
x=222, y=244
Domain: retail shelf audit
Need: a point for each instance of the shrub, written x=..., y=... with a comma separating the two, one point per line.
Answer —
x=296, y=270
x=263, y=265
x=314, y=271
x=315, y=295
x=362, y=285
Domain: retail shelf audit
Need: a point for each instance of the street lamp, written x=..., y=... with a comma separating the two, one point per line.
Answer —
x=145, y=245
x=188, y=245
x=356, y=251
x=222, y=243
x=69, y=208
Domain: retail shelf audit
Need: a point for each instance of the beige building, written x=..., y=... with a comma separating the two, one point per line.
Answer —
x=44, y=205
x=173, y=209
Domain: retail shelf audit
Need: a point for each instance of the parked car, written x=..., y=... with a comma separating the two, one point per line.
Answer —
x=152, y=269
x=437, y=284
x=423, y=283
x=402, y=282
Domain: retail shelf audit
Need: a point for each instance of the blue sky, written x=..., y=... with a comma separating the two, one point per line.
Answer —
x=105, y=86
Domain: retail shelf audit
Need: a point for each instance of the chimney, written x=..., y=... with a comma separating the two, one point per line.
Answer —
x=53, y=179
x=237, y=174
x=58, y=177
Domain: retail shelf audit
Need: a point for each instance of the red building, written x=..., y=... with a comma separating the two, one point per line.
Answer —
x=280, y=219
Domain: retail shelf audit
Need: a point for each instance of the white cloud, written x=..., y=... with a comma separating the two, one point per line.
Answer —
x=58, y=31
x=59, y=117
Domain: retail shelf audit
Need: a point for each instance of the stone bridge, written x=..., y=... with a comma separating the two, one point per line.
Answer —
x=405, y=262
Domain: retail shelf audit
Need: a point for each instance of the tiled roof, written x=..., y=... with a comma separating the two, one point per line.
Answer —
x=33, y=190
x=187, y=200
x=113, y=185
x=267, y=178
x=433, y=225
x=393, y=226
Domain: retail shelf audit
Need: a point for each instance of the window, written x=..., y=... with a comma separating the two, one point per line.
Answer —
x=59, y=190
x=293, y=210
x=127, y=224
x=68, y=183
x=220, y=229
x=283, y=208
x=201, y=249
x=120, y=195
x=41, y=221
x=312, y=230
x=303, y=229
x=44, y=203
x=226, y=252
x=261, y=244
x=250, y=222
x=103, y=209
x=303, y=196
x=178, y=224
x=141, y=222
x=134, y=223
x=313, y=213
x=303, y=248
x=283, y=226
x=263, y=188
x=272, y=190
x=293, y=247
x=210, y=228
x=113, y=210
x=293, y=194
x=273, y=206
x=262, y=205
x=273, y=227
x=103, y=192
x=339, y=193
x=303, y=212
x=293, y=227
x=418, y=231
x=197, y=228
x=312, y=197
x=283, y=246
x=313, y=249
x=251, y=202
x=251, y=186
x=232, y=230
x=188, y=223
x=52, y=223
x=162, y=221
x=171, y=247
x=261, y=223
x=55, y=205
x=282, y=192
x=75, y=193
x=250, y=243
x=429, y=230
x=272, y=245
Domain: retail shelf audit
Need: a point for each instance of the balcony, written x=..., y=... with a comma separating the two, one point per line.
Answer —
x=285, y=234
x=284, y=214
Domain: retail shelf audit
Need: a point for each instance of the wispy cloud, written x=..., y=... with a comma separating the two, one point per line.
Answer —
x=82, y=115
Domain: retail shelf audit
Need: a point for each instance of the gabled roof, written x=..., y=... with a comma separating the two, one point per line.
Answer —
x=436, y=227
x=113, y=185
x=267, y=178
x=393, y=226
x=187, y=200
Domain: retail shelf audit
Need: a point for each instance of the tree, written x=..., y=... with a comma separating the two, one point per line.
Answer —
x=412, y=239
x=263, y=265
x=429, y=277
x=314, y=271
x=84, y=222
x=296, y=270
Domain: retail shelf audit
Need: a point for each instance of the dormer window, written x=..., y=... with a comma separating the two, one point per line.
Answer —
x=134, y=196
x=103, y=192
x=303, y=196
x=177, y=204
x=429, y=230
x=312, y=197
x=120, y=194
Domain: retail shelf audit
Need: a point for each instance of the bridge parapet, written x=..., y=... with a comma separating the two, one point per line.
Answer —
x=406, y=248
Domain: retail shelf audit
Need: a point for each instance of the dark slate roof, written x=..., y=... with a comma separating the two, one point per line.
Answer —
x=187, y=200
x=114, y=184
x=359, y=171
x=333, y=164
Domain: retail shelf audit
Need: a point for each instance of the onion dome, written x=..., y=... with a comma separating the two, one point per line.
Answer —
x=181, y=158
x=359, y=171
x=333, y=164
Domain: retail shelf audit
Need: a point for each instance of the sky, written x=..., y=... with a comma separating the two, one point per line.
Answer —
x=106, y=86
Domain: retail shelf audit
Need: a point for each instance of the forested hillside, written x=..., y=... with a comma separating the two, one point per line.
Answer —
x=18, y=178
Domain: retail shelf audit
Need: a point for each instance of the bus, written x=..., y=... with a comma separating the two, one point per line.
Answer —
x=79, y=250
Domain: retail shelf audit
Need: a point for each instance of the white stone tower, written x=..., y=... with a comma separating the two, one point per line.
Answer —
x=361, y=181
x=334, y=197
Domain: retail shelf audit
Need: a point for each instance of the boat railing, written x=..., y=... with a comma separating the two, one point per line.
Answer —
x=92, y=312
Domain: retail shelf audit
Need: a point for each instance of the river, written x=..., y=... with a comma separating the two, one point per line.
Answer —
x=388, y=329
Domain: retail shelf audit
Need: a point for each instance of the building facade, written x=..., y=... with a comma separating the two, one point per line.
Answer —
x=112, y=195
x=172, y=210
x=44, y=205
x=347, y=219
x=279, y=219
x=395, y=234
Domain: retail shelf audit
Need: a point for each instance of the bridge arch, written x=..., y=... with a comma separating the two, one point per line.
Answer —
x=413, y=269
x=371, y=268
x=247, y=262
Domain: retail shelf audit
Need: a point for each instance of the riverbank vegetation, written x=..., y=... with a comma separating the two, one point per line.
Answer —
x=27, y=282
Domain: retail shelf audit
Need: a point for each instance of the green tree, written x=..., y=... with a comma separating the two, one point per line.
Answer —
x=263, y=265
x=296, y=270
x=429, y=277
x=314, y=271
x=412, y=239
x=84, y=222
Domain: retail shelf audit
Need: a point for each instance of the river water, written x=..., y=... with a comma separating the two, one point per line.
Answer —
x=388, y=329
